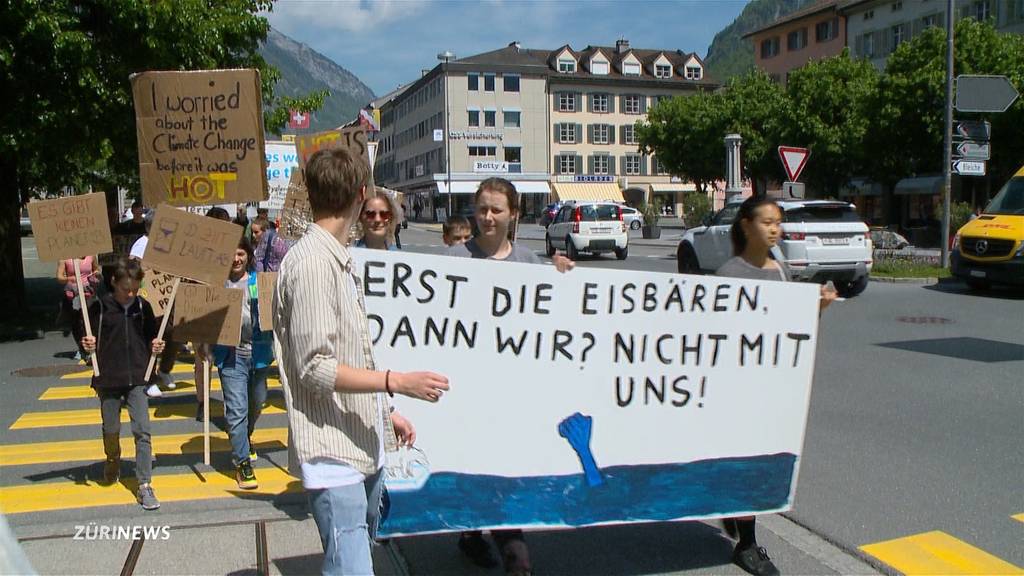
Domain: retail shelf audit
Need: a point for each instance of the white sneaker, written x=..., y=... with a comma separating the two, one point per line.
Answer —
x=153, y=391
x=166, y=381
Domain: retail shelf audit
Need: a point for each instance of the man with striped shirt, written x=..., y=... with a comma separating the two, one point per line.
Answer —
x=340, y=420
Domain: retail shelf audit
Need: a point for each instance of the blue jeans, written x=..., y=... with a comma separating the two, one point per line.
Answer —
x=347, y=519
x=245, y=391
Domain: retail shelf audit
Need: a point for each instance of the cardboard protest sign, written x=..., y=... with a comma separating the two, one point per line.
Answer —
x=70, y=227
x=281, y=161
x=265, y=283
x=156, y=289
x=296, y=214
x=191, y=246
x=208, y=314
x=353, y=139
x=122, y=244
x=581, y=397
x=200, y=137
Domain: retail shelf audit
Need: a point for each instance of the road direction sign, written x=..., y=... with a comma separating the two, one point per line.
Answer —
x=971, y=150
x=973, y=130
x=969, y=168
x=793, y=160
x=976, y=93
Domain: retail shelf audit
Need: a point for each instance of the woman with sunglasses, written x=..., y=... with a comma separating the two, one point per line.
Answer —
x=377, y=221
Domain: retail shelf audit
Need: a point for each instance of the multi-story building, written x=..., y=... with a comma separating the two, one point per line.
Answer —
x=876, y=27
x=811, y=33
x=558, y=124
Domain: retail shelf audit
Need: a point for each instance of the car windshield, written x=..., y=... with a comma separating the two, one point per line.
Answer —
x=599, y=212
x=1009, y=200
x=822, y=213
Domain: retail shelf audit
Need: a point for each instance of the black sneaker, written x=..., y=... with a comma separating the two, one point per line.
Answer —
x=245, y=477
x=754, y=559
x=473, y=545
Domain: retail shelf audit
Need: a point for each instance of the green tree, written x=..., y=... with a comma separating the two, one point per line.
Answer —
x=68, y=117
x=757, y=109
x=686, y=134
x=909, y=111
x=830, y=113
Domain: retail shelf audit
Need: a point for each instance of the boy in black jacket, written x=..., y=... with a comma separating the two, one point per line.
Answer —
x=125, y=336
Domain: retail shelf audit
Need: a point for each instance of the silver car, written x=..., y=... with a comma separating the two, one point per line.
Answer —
x=632, y=217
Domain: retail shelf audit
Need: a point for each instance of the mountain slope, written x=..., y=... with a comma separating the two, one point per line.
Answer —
x=304, y=70
x=730, y=54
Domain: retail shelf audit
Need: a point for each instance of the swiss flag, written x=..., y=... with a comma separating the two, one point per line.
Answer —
x=298, y=119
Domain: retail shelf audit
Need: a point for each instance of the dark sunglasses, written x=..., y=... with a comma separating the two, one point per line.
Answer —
x=373, y=214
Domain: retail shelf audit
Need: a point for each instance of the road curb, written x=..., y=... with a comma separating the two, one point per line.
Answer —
x=828, y=553
x=888, y=280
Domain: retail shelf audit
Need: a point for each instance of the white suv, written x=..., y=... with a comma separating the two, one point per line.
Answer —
x=593, y=227
x=821, y=240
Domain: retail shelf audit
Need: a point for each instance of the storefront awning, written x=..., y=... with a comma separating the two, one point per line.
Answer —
x=920, y=185
x=593, y=191
x=469, y=187
x=673, y=187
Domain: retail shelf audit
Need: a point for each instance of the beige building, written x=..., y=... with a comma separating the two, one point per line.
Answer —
x=558, y=124
x=814, y=32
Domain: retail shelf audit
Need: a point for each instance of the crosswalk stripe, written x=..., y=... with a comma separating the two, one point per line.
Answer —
x=179, y=368
x=86, y=391
x=163, y=445
x=84, y=417
x=169, y=488
x=937, y=553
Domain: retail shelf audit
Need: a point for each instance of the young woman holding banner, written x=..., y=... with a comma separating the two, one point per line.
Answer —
x=497, y=208
x=378, y=222
x=754, y=233
x=243, y=368
x=125, y=338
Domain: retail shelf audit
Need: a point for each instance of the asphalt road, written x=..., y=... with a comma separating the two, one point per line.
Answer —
x=915, y=426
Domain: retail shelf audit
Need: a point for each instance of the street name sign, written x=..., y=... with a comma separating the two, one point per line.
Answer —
x=972, y=150
x=793, y=160
x=979, y=93
x=969, y=168
x=973, y=130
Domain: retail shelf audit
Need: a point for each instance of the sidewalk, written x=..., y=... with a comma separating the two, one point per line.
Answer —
x=293, y=547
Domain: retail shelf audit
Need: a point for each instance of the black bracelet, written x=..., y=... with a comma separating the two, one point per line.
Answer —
x=387, y=383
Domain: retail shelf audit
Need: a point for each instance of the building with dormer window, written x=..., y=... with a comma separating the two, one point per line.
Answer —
x=560, y=124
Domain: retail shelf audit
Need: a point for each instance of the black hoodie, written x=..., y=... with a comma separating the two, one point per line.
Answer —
x=123, y=337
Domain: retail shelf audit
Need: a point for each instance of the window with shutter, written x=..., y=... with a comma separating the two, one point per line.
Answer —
x=611, y=133
x=611, y=164
x=578, y=133
x=590, y=133
x=577, y=101
x=557, y=131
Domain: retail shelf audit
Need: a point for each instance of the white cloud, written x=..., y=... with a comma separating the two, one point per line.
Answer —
x=349, y=16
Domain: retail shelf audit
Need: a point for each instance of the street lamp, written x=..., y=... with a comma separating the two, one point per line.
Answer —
x=446, y=57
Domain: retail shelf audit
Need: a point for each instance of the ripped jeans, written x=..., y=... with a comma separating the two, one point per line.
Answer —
x=347, y=518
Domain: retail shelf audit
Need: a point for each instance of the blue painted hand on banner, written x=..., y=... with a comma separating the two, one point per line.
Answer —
x=576, y=430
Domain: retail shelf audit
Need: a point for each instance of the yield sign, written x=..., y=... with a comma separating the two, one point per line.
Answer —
x=794, y=159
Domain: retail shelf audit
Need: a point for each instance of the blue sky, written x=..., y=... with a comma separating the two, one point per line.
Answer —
x=388, y=42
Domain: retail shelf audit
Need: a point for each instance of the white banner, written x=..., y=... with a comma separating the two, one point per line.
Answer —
x=281, y=160
x=592, y=397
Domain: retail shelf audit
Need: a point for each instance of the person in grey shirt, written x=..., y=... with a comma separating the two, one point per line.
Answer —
x=754, y=233
x=497, y=207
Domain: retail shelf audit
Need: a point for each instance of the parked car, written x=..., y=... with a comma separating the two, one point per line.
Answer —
x=594, y=227
x=821, y=240
x=633, y=218
x=990, y=248
x=549, y=212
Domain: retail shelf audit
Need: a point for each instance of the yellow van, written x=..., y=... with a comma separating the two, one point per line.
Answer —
x=990, y=249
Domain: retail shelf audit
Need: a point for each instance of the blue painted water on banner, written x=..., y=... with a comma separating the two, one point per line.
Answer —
x=655, y=492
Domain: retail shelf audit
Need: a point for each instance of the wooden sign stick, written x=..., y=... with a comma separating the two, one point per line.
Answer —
x=206, y=411
x=85, y=314
x=163, y=325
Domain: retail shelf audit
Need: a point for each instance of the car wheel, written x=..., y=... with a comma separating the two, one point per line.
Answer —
x=621, y=253
x=634, y=225
x=686, y=260
x=853, y=287
x=548, y=248
x=570, y=249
